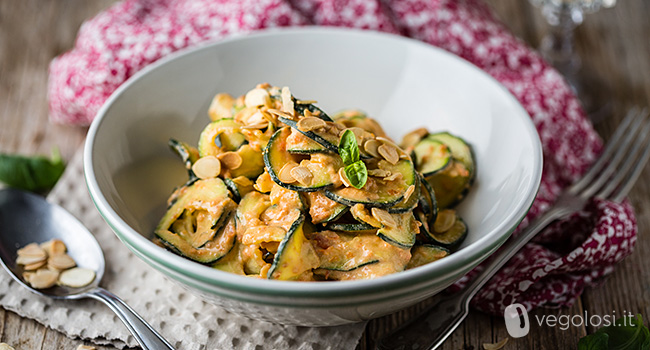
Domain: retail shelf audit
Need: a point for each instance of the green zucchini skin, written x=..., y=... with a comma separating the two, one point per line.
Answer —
x=403, y=234
x=407, y=206
x=460, y=149
x=276, y=156
x=453, y=237
x=328, y=144
x=336, y=214
x=232, y=141
x=427, y=201
x=340, y=266
x=388, y=198
x=450, y=184
x=238, y=191
x=211, y=192
x=211, y=135
x=291, y=261
x=301, y=107
x=188, y=155
x=350, y=227
x=306, y=147
x=232, y=187
x=431, y=156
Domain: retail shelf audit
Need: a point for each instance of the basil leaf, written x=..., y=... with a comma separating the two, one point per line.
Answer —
x=35, y=174
x=357, y=174
x=625, y=333
x=596, y=341
x=348, y=148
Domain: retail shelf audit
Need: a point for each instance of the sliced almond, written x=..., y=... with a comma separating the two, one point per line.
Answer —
x=413, y=137
x=285, y=173
x=221, y=106
x=33, y=250
x=386, y=141
x=371, y=147
x=344, y=177
x=279, y=112
x=495, y=346
x=361, y=213
x=230, y=160
x=306, y=102
x=264, y=183
x=35, y=266
x=257, y=126
x=257, y=97
x=389, y=153
x=445, y=220
x=268, y=116
x=242, y=181
x=379, y=173
x=30, y=259
x=83, y=347
x=207, y=167
x=54, y=246
x=393, y=177
x=310, y=123
x=287, y=102
x=27, y=275
x=409, y=192
x=77, y=277
x=256, y=118
x=43, y=279
x=302, y=175
x=384, y=217
x=61, y=261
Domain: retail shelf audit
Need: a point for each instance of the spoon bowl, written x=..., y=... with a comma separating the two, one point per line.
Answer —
x=27, y=218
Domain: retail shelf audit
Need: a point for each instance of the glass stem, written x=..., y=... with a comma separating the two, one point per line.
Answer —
x=558, y=46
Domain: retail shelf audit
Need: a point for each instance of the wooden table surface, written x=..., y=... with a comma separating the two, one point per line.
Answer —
x=614, y=45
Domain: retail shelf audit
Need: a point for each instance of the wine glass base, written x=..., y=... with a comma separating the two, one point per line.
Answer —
x=594, y=94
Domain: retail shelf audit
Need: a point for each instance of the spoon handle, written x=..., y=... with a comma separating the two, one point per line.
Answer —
x=146, y=336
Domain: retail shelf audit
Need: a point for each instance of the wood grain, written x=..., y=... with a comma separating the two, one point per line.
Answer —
x=615, y=47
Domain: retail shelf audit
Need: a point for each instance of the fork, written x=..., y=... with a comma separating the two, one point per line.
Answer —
x=610, y=177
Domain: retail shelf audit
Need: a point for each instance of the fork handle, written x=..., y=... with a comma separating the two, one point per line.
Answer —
x=441, y=319
x=143, y=333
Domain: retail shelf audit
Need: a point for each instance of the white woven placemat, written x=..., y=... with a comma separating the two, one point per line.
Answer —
x=182, y=318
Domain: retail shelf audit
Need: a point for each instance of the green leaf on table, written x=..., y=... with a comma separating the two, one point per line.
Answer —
x=627, y=333
x=596, y=341
x=35, y=174
x=348, y=148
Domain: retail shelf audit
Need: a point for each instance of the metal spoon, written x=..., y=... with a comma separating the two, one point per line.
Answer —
x=27, y=218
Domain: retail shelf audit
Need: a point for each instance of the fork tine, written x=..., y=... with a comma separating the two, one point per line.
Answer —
x=632, y=119
x=633, y=175
x=630, y=159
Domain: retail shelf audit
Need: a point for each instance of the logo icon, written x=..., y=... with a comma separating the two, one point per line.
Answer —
x=516, y=318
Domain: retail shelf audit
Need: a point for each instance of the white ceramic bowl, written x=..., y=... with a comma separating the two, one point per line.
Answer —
x=403, y=83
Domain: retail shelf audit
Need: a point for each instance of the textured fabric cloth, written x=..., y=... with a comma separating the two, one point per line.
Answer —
x=181, y=317
x=133, y=33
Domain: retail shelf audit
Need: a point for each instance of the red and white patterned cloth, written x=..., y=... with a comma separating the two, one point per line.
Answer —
x=552, y=271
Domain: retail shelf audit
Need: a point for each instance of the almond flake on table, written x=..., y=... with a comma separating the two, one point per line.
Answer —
x=83, y=347
x=495, y=346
